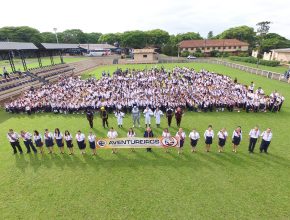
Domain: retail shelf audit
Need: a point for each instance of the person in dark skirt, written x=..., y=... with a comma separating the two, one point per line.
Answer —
x=38, y=141
x=208, y=136
x=26, y=136
x=92, y=142
x=148, y=134
x=181, y=136
x=266, y=140
x=58, y=137
x=222, y=136
x=236, y=138
x=194, y=137
x=68, y=141
x=48, y=139
x=81, y=140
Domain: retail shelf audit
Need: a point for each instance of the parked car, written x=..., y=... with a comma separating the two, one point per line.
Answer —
x=191, y=57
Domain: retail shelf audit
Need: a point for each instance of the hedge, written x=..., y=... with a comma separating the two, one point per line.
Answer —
x=255, y=60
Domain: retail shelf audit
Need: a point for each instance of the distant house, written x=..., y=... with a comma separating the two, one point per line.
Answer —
x=232, y=46
x=145, y=56
x=282, y=55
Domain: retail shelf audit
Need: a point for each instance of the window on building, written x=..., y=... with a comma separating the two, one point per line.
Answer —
x=191, y=48
x=219, y=48
x=145, y=56
x=235, y=47
x=202, y=48
x=208, y=48
x=225, y=47
x=213, y=48
x=240, y=47
x=230, y=47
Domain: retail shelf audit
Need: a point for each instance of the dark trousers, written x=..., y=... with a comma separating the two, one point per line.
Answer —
x=252, y=144
x=15, y=145
x=105, y=122
x=178, y=121
x=264, y=146
x=169, y=119
x=91, y=122
x=28, y=144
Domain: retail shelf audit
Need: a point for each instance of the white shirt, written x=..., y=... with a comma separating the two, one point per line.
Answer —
x=80, y=137
x=235, y=134
x=222, y=135
x=208, y=133
x=112, y=134
x=92, y=138
x=194, y=135
x=131, y=134
x=254, y=134
x=27, y=136
x=68, y=137
x=57, y=136
x=37, y=137
x=266, y=136
x=181, y=135
x=13, y=137
x=166, y=134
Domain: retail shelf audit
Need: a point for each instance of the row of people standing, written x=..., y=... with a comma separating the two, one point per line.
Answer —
x=49, y=139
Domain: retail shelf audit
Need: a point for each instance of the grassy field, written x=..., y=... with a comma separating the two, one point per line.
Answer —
x=277, y=69
x=33, y=62
x=154, y=185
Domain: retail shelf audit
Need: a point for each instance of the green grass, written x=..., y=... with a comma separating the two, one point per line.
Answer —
x=141, y=185
x=33, y=62
x=277, y=69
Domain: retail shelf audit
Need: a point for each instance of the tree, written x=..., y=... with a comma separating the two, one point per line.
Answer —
x=188, y=36
x=170, y=48
x=263, y=27
x=134, y=39
x=273, y=41
x=242, y=33
x=73, y=36
x=48, y=37
x=157, y=37
x=210, y=35
x=20, y=34
x=110, y=38
x=92, y=37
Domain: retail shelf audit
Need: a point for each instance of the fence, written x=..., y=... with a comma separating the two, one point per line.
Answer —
x=256, y=71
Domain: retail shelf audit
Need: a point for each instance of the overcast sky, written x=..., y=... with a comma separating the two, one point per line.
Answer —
x=174, y=16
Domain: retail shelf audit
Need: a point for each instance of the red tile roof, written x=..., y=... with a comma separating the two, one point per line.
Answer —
x=212, y=43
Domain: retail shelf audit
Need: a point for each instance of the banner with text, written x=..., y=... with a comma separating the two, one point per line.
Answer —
x=137, y=142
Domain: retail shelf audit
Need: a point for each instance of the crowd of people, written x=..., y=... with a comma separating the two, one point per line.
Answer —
x=155, y=88
x=35, y=142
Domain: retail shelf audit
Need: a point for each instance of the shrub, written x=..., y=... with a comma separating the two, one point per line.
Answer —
x=184, y=53
x=255, y=60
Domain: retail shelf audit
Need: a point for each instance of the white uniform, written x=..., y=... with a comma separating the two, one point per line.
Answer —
x=119, y=116
x=148, y=113
x=157, y=115
x=112, y=134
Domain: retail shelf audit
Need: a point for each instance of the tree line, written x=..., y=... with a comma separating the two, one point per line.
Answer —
x=260, y=39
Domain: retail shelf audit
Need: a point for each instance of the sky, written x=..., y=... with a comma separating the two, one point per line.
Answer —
x=174, y=16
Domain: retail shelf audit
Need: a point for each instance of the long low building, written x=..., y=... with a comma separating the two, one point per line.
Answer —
x=233, y=46
x=282, y=55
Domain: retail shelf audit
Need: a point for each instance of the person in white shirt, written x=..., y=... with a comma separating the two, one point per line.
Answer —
x=222, y=136
x=119, y=115
x=112, y=134
x=48, y=139
x=253, y=138
x=266, y=140
x=181, y=136
x=236, y=138
x=166, y=134
x=38, y=141
x=13, y=138
x=58, y=137
x=26, y=136
x=147, y=114
x=81, y=140
x=131, y=134
x=68, y=141
x=208, y=136
x=157, y=114
x=194, y=137
x=92, y=142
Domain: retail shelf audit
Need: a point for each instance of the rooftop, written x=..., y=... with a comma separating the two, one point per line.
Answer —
x=212, y=43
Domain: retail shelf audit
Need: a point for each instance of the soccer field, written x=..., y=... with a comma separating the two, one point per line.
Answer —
x=140, y=185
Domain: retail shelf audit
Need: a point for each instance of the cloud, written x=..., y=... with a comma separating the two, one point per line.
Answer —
x=175, y=16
